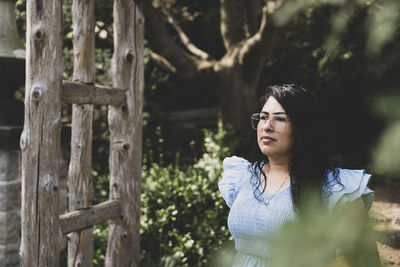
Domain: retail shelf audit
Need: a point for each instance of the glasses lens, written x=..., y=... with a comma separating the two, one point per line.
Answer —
x=255, y=118
x=279, y=123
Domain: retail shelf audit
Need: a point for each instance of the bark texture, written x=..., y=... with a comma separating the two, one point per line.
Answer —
x=80, y=243
x=80, y=93
x=126, y=134
x=81, y=219
x=40, y=139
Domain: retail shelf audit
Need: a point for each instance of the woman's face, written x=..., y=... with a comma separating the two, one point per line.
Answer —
x=274, y=140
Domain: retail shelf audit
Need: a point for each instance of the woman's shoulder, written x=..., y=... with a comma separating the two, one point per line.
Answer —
x=236, y=169
x=235, y=162
x=346, y=185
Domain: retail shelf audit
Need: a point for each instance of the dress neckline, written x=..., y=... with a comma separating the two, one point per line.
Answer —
x=277, y=193
x=262, y=193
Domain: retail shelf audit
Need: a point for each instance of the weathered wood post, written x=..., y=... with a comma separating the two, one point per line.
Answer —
x=125, y=124
x=12, y=66
x=40, y=139
x=80, y=244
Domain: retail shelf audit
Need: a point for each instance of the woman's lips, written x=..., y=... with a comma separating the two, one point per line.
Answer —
x=267, y=139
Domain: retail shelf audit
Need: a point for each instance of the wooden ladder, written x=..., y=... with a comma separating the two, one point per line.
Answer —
x=42, y=225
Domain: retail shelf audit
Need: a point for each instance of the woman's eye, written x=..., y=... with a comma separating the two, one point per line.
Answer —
x=282, y=119
x=263, y=118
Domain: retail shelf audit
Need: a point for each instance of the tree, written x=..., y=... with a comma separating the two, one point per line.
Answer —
x=235, y=75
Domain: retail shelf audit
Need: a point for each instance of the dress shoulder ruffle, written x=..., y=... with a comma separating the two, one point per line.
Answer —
x=352, y=184
x=235, y=169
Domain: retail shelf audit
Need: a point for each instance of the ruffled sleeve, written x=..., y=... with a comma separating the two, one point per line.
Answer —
x=235, y=169
x=353, y=185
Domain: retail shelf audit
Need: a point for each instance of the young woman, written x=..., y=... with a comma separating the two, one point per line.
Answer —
x=262, y=195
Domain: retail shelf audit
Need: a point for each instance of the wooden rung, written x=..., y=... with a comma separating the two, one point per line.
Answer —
x=80, y=93
x=81, y=219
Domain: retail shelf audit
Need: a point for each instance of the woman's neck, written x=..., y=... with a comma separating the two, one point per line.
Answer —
x=278, y=166
x=277, y=173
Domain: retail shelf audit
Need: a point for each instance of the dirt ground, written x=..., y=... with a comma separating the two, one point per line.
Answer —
x=386, y=212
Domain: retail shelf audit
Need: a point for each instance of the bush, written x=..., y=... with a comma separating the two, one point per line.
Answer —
x=183, y=220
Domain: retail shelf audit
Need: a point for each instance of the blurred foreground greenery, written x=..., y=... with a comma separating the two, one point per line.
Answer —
x=385, y=155
x=319, y=237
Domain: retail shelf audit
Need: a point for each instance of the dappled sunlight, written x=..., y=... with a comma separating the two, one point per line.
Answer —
x=386, y=216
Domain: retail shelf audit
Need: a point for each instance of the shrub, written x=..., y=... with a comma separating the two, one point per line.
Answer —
x=183, y=219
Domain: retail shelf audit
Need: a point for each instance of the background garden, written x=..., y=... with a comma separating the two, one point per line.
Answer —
x=346, y=51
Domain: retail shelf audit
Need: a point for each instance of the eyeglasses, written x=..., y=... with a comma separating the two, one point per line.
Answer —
x=277, y=121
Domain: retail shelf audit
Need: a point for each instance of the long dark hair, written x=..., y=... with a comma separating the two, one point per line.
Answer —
x=309, y=165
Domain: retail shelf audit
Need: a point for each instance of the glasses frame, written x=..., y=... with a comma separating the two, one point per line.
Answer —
x=272, y=123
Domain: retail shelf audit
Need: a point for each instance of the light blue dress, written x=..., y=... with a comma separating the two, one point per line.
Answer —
x=251, y=221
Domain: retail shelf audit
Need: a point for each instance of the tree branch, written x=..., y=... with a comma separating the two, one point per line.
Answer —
x=257, y=39
x=184, y=38
x=162, y=62
x=162, y=41
x=256, y=49
x=268, y=9
x=251, y=7
x=265, y=33
x=262, y=31
x=230, y=28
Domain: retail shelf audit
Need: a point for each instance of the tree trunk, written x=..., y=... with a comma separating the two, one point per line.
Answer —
x=236, y=97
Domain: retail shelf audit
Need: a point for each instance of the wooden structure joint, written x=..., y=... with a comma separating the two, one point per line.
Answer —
x=84, y=218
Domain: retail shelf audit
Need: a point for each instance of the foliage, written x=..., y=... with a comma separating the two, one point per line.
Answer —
x=385, y=157
x=381, y=23
x=183, y=218
x=100, y=235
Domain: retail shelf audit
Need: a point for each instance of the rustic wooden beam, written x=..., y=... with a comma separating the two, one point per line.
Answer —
x=40, y=139
x=126, y=134
x=81, y=219
x=81, y=93
x=80, y=186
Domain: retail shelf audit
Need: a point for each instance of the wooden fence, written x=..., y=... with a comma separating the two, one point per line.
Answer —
x=42, y=225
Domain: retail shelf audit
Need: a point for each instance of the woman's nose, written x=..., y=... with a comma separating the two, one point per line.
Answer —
x=267, y=125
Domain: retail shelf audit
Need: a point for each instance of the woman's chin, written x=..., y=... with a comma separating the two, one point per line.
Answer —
x=274, y=153
x=267, y=151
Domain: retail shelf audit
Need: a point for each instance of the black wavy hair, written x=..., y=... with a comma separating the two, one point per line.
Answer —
x=309, y=165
